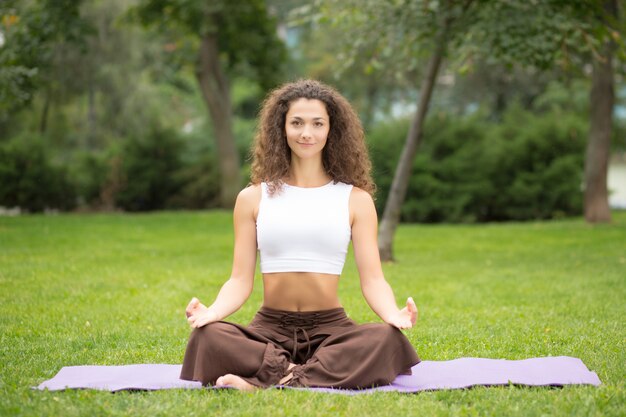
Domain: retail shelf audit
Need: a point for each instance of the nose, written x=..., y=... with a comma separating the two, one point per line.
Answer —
x=306, y=132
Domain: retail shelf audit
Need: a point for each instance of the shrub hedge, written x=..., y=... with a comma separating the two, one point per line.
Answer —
x=29, y=180
x=468, y=169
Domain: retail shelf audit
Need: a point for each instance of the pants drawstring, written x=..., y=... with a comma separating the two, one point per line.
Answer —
x=299, y=324
x=295, y=342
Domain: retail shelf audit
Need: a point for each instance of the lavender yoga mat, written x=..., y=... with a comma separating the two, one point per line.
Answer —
x=427, y=375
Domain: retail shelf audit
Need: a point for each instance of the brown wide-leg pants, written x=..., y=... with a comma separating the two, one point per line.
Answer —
x=328, y=348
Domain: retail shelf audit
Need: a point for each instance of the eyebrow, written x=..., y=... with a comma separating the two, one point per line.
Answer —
x=314, y=118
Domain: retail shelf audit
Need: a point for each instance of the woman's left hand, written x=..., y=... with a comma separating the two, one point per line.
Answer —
x=405, y=318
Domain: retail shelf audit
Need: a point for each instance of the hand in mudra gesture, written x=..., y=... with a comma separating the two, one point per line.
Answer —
x=405, y=318
x=198, y=314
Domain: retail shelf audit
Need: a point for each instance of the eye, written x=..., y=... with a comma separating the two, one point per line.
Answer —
x=295, y=123
x=319, y=124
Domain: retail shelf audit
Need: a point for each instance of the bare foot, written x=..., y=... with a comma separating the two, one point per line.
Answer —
x=235, y=382
x=287, y=377
x=194, y=306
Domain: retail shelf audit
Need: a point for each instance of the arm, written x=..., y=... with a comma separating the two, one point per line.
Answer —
x=375, y=288
x=238, y=288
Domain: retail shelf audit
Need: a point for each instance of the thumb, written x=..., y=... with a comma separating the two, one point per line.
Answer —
x=410, y=303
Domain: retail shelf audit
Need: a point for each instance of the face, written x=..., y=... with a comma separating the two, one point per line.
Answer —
x=307, y=125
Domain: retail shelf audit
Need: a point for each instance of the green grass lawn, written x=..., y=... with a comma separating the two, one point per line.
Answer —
x=111, y=290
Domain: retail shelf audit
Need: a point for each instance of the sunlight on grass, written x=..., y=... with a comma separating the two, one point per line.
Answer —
x=111, y=289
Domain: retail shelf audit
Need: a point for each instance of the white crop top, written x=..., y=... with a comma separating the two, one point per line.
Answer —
x=304, y=229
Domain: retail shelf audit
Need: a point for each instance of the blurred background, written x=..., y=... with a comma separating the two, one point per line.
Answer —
x=500, y=110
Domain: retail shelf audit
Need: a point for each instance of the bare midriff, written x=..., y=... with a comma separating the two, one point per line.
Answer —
x=300, y=291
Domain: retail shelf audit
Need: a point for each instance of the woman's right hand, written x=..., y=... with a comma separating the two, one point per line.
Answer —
x=199, y=315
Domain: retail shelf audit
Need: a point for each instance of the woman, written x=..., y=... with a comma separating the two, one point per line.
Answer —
x=311, y=193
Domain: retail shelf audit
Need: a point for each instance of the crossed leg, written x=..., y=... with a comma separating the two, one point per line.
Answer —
x=195, y=307
x=227, y=354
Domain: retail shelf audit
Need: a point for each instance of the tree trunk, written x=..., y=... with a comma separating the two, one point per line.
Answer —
x=216, y=94
x=602, y=99
x=397, y=194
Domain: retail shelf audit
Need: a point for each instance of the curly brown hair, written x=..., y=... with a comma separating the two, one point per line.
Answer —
x=345, y=157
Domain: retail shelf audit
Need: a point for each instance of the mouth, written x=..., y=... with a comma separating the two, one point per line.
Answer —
x=305, y=144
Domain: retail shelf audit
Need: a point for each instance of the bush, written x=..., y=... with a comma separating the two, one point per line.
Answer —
x=90, y=172
x=160, y=170
x=148, y=168
x=537, y=167
x=467, y=170
x=200, y=184
x=29, y=180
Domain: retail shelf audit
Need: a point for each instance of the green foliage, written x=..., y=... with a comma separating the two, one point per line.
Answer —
x=94, y=175
x=528, y=167
x=540, y=35
x=199, y=176
x=199, y=184
x=370, y=86
x=537, y=170
x=29, y=180
x=32, y=31
x=99, y=88
x=158, y=170
x=385, y=38
x=246, y=33
x=148, y=168
x=396, y=35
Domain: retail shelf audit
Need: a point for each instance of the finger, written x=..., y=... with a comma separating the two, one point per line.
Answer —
x=191, y=306
x=409, y=321
x=191, y=319
x=202, y=322
x=412, y=307
x=192, y=303
x=210, y=317
x=400, y=324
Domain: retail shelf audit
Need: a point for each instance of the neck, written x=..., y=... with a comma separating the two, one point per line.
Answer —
x=307, y=173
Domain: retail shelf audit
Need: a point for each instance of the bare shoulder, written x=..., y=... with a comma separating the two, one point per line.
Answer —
x=250, y=194
x=248, y=199
x=361, y=204
x=360, y=197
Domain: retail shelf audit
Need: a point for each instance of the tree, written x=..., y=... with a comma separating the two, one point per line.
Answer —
x=229, y=39
x=32, y=31
x=602, y=99
x=405, y=33
x=391, y=215
x=515, y=32
x=371, y=88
